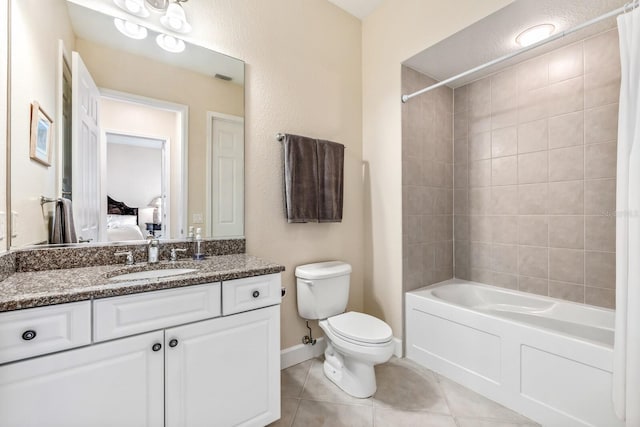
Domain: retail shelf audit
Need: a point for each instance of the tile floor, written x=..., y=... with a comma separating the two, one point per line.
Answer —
x=408, y=396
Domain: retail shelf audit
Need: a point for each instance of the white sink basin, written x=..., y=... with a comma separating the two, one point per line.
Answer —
x=154, y=274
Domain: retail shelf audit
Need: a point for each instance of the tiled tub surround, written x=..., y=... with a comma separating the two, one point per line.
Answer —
x=534, y=175
x=48, y=287
x=427, y=183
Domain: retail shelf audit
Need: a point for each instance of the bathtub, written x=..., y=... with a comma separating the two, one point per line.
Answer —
x=548, y=359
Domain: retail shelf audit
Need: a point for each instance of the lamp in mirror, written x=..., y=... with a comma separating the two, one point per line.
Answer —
x=156, y=204
x=134, y=7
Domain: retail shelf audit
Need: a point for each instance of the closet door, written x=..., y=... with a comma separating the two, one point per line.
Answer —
x=119, y=383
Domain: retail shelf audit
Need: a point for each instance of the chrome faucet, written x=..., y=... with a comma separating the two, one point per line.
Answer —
x=128, y=254
x=174, y=253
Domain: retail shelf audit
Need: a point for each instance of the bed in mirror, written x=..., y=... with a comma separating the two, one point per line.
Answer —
x=135, y=128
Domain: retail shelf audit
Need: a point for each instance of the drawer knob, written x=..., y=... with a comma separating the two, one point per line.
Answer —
x=173, y=343
x=156, y=347
x=256, y=294
x=29, y=335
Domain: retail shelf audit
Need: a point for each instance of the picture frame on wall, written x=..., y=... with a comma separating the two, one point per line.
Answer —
x=41, y=135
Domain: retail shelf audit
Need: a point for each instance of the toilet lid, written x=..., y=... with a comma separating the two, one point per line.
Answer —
x=360, y=327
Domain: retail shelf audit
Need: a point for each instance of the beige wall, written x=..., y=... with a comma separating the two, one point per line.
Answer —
x=397, y=30
x=535, y=174
x=117, y=70
x=3, y=121
x=427, y=183
x=36, y=27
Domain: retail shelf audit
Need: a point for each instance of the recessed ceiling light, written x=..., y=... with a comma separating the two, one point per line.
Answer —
x=134, y=7
x=535, y=34
x=130, y=29
x=170, y=43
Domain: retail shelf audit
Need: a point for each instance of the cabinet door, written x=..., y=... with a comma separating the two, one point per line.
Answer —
x=119, y=383
x=224, y=372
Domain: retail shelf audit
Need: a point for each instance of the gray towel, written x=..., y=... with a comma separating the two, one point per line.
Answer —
x=62, y=227
x=330, y=181
x=301, y=178
x=314, y=179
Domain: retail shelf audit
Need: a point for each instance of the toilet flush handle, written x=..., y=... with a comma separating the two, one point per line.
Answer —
x=307, y=282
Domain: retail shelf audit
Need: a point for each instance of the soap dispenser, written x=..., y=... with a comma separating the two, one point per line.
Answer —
x=197, y=250
x=152, y=250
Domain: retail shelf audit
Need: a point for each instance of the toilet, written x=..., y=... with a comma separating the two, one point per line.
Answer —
x=356, y=342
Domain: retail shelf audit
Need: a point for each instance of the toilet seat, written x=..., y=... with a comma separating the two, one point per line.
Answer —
x=360, y=328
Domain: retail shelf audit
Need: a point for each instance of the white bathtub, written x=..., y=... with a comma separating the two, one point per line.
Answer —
x=546, y=358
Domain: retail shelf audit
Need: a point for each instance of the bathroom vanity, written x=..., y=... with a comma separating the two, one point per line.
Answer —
x=197, y=349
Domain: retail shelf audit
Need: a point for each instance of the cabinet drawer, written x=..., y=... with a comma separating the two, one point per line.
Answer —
x=34, y=331
x=133, y=314
x=250, y=293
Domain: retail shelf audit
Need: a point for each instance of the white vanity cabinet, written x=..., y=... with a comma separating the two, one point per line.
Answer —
x=184, y=368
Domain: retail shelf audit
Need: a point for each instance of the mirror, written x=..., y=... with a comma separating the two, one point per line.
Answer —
x=143, y=141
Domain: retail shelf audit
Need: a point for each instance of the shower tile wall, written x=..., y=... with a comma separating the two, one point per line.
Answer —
x=427, y=183
x=535, y=168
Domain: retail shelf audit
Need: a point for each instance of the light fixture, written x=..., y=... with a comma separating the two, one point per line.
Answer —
x=170, y=43
x=134, y=7
x=175, y=19
x=156, y=204
x=130, y=29
x=535, y=34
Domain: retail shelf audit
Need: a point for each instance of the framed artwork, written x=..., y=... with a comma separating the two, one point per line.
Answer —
x=41, y=135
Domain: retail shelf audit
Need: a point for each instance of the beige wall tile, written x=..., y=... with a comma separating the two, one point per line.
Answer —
x=566, y=232
x=566, y=265
x=412, y=171
x=461, y=99
x=460, y=150
x=480, y=173
x=481, y=275
x=460, y=201
x=504, y=171
x=566, y=198
x=533, y=74
x=566, y=164
x=443, y=255
x=533, y=199
x=600, y=297
x=504, y=107
x=461, y=125
x=566, y=130
x=479, y=201
x=601, y=124
x=504, y=142
x=504, y=258
x=461, y=227
x=504, y=229
x=533, y=168
x=602, y=86
x=480, y=228
x=601, y=50
x=533, y=261
x=480, y=255
x=533, y=136
x=504, y=200
x=600, y=197
x=566, y=97
x=462, y=260
x=533, y=230
x=533, y=285
x=600, y=233
x=565, y=63
x=566, y=291
x=442, y=227
x=505, y=280
x=413, y=228
x=600, y=269
x=600, y=160
x=533, y=104
x=461, y=175
x=480, y=146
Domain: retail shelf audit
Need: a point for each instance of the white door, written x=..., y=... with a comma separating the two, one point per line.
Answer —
x=119, y=383
x=224, y=372
x=227, y=178
x=86, y=151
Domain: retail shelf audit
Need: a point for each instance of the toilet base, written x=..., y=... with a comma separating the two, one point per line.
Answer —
x=355, y=378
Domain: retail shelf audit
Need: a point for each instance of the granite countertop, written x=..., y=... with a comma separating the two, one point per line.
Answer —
x=49, y=287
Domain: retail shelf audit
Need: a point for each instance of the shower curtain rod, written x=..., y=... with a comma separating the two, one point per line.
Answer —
x=626, y=8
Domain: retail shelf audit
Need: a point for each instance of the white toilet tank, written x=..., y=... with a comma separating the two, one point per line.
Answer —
x=323, y=289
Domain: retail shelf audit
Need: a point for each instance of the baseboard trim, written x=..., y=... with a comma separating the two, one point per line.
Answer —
x=301, y=352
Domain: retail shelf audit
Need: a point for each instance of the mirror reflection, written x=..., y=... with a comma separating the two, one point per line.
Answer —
x=144, y=141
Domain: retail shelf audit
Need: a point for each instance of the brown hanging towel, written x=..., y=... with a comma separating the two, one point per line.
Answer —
x=301, y=178
x=330, y=181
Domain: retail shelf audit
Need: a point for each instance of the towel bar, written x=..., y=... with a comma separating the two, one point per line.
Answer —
x=280, y=137
x=44, y=200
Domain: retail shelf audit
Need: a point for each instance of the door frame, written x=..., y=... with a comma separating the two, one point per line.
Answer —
x=183, y=148
x=211, y=116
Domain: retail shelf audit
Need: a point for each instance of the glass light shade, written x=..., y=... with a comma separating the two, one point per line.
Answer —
x=175, y=19
x=130, y=29
x=535, y=34
x=170, y=43
x=134, y=7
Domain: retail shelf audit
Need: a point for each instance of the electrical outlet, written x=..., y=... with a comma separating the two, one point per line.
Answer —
x=197, y=218
x=14, y=224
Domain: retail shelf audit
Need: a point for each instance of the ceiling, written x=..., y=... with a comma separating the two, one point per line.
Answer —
x=494, y=36
x=358, y=8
